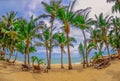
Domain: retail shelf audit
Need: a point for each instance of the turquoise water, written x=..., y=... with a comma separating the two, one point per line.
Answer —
x=55, y=58
x=75, y=58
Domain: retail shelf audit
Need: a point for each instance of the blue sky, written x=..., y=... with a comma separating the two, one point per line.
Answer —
x=26, y=8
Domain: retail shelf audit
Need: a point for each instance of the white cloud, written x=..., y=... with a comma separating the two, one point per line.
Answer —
x=98, y=6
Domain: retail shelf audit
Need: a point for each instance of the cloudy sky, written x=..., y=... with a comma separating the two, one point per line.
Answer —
x=26, y=8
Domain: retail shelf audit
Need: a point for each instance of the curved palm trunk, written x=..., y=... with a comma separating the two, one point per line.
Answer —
x=25, y=59
x=47, y=56
x=28, y=59
x=98, y=46
x=62, y=57
x=106, y=41
x=86, y=55
x=108, y=50
x=4, y=51
x=27, y=50
x=68, y=48
x=67, y=30
x=118, y=50
x=84, y=63
x=28, y=54
x=11, y=51
x=51, y=29
x=96, y=42
x=4, y=45
x=10, y=57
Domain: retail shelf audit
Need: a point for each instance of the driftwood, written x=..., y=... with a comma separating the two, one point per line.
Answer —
x=25, y=67
x=36, y=68
x=102, y=63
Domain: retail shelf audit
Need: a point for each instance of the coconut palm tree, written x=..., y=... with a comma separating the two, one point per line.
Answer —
x=21, y=48
x=6, y=25
x=51, y=9
x=116, y=6
x=82, y=50
x=65, y=14
x=103, y=23
x=61, y=42
x=114, y=35
x=29, y=30
x=82, y=22
x=34, y=58
x=44, y=38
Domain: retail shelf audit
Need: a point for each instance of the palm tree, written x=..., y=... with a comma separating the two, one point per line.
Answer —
x=44, y=38
x=34, y=58
x=83, y=48
x=61, y=42
x=103, y=23
x=65, y=14
x=96, y=37
x=114, y=35
x=13, y=41
x=82, y=22
x=29, y=30
x=116, y=6
x=21, y=47
x=7, y=26
x=9, y=19
x=51, y=9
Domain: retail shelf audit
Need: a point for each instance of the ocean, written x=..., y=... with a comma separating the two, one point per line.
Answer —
x=75, y=58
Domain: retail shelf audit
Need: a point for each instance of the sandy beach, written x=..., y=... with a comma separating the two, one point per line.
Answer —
x=14, y=73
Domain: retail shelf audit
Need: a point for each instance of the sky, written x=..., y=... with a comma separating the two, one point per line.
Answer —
x=26, y=8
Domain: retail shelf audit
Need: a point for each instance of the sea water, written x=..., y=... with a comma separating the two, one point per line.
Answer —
x=56, y=58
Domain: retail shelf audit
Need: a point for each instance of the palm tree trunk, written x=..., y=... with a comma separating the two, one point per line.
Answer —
x=47, y=55
x=108, y=50
x=11, y=51
x=4, y=52
x=10, y=57
x=118, y=50
x=28, y=55
x=27, y=49
x=51, y=29
x=84, y=63
x=28, y=59
x=68, y=48
x=25, y=58
x=62, y=57
x=86, y=55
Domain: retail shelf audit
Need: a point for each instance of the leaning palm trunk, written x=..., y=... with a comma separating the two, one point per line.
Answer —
x=108, y=50
x=10, y=57
x=4, y=52
x=25, y=59
x=86, y=55
x=28, y=59
x=68, y=48
x=47, y=55
x=96, y=42
x=62, y=57
x=67, y=30
x=118, y=50
x=11, y=51
x=84, y=63
x=27, y=50
x=51, y=29
x=28, y=56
